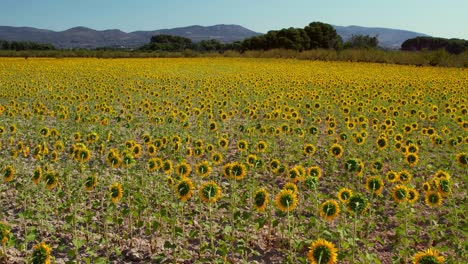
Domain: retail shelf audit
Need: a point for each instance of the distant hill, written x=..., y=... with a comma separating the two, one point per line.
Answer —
x=82, y=37
x=388, y=38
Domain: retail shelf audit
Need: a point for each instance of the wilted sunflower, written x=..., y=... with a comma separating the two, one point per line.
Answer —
x=462, y=159
x=116, y=192
x=336, y=150
x=428, y=256
x=184, y=189
x=210, y=192
x=344, y=194
x=41, y=254
x=329, y=210
x=286, y=200
x=50, y=179
x=400, y=193
x=322, y=252
x=4, y=233
x=203, y=169
x=374, y=184
x=260, y=199
x=8, y=173
x=90, y=182
x=357, y=204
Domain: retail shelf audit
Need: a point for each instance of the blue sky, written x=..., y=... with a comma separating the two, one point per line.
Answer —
x=442, y=18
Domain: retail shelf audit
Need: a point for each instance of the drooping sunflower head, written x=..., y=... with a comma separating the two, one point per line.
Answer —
x=357, y=204
x=462, y=159
x=41, y=254
x=374, y=184
x=116, y=192
x=184, y=189
x=260, y=199
x=400, y=193
x=329, y=210
x=90, y=182
x=344, y=194
x=210, y=192
x=286, y=200
x=428, y=256
x=322, y=252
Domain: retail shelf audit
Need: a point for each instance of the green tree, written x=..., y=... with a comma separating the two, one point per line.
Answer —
x=361, y=42
x=323, y=36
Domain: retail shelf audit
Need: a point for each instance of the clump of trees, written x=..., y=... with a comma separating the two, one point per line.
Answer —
x=314, y=36
x=20, y=45
x=361, y=42
x=453, y=46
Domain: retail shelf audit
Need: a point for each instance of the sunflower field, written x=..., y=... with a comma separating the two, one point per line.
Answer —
x=231, y=160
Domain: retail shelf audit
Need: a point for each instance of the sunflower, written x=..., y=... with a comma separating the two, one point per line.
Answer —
x=41, y=254
x=440, y=174
x=329, y=210
x=381, y=143
x=286, y=200
x=427, y=186
x=291, y=186
x=443, y=186
x=8, y=173
x=344, y=194
x=76, y=136
x=167, y=166
x=210, y=192
x=116, y=192
x=4, y=233
x=400, y=193
x=183, y=169
x=404, y=176
x=216, y=158
x=374, y=184
x=203, y=169
x=238, y=171
x=294, y=174
x=184, y=189
x=242, y=145
x=262, y=146
x=391, y=176
x=336, y=150
x=428, y=256
x=308, y=149
x=90, y=182
x=50, y=179
x=251, y=160
x=260, y=199
x=314, y=171
x=128, y=159
x=322, y=252
x=354, y=165
x=153, y=164
x=462, y=159
x=37, y=175
x=413, y=195
x=357, y=204
x=411, y=159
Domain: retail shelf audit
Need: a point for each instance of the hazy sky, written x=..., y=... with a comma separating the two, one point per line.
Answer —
x=442, y=18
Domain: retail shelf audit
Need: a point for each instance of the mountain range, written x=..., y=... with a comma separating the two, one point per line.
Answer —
x=83, y=37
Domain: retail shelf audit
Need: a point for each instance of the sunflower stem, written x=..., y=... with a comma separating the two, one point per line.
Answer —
x=354, y=237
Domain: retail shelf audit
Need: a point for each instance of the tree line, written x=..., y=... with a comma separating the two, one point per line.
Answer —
x=316, y=35
x=453, y=46
x=24, y=45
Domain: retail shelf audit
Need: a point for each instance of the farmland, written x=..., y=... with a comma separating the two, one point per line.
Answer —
x=215, y=160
